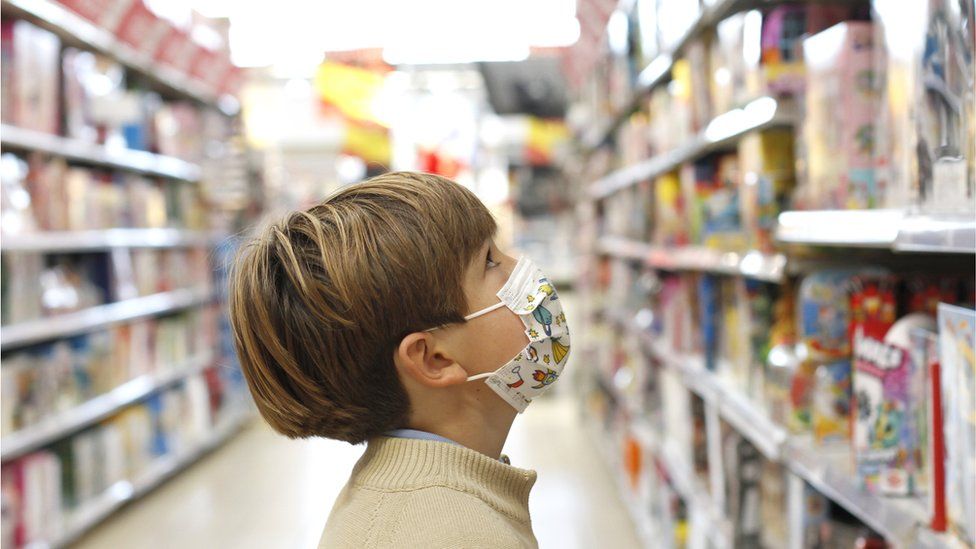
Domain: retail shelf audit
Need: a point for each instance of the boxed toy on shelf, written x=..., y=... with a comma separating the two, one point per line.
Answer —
x=925, y=153
x=838, y=129
x=766, y=184
x=889, y=397
x=957, y=341
x=43, y=491
x=30, y=76
x=60, y=197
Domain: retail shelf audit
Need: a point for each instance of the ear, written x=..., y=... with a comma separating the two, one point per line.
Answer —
x=423, y=359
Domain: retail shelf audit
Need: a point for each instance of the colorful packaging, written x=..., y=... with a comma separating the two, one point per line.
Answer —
x=957, y=341
x=824, y=321
x=889, y=397
x=782, y=30
x=670, y=226
x=709, y=300
x=30, y=73
x=735, y=336
x=719, y=203
x=141, y=29
x=838, y=126
x=697, y=178
x=926, y=136
x=781, y=360
x=758, y=299
x=831, y=402
x=767, y=182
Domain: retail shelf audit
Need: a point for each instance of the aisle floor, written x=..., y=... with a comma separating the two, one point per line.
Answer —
x=263, y=490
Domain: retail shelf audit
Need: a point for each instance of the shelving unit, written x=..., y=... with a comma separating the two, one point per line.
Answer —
x=724, y=129
x=753, y=264
x=887, y=229
x=23, y=333
x=170, y=195
x=618, y=267
x=903, y=521
x=92, y=411
x=12, y=137
x=126, y=491
x=657, y=72
x=75, y=30
x=87, y=241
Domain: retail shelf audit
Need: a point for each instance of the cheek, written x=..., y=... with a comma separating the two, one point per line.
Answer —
x=501, y=337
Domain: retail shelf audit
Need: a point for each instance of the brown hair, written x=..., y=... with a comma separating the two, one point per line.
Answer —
x=320, y=300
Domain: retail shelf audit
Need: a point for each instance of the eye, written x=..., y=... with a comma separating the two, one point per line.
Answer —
x=489, y=262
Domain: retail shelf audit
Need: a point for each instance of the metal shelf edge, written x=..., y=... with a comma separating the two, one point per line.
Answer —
x=656, y=71
x=125, y=159
x=23, y=333
x=94, y=410
x=113, y=498
x=760, y=113
x=85, y=240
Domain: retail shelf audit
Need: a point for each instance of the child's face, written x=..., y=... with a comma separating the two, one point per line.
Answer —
x=493, y=339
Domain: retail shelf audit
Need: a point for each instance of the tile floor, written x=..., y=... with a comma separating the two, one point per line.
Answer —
x=262, y=490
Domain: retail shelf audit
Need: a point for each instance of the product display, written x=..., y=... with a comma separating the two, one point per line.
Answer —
x=112, y=329
x=808, y=369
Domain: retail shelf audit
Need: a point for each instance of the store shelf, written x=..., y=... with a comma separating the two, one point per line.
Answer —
x=23, y=333
x=900, y=520
x=75, y=30
x=885, y=229
x=12, y=137
x=64, y=423
x=724, y=129
x=753, y=264
x=81, y=241
x=658, y=70
x=638, y=514
x=97, y=510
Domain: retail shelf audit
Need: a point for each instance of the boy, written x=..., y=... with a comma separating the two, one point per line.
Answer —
x=363, y=318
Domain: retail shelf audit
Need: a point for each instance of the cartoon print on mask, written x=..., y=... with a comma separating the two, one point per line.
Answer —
x=544, y=317
x=533, y=355
x=544, y=378
x=516, y=371
x=559, y=351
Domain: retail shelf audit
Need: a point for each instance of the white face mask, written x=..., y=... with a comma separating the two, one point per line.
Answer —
x=530, y=295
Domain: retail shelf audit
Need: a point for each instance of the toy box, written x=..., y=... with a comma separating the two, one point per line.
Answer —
x=889, y=399
x=822, y=329
x=719, y=202
x=781, y=361
x=957, y=341
x=30, y=72
x=840, y=112
x=926, y=132
x=766, y=184
x=670, y=227
x=709, y=303
x=831, y=402
x=697, y=178
x=782, y=29
x=141, y=29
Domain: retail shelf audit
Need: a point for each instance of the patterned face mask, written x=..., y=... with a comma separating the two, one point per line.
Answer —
x=530, y=295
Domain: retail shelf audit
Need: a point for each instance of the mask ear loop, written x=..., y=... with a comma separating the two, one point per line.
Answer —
x=473, y=315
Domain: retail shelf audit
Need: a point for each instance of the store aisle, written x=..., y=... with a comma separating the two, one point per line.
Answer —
x=262, y=490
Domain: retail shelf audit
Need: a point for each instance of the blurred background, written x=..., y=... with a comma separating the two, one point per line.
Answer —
x=760, y=214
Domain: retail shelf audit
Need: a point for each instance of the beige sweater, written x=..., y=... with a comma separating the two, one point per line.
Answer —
x=407, y=493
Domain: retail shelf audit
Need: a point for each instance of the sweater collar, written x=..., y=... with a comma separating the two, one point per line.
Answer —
x=405, y=464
